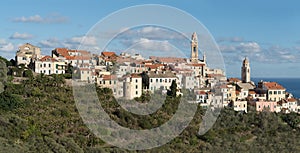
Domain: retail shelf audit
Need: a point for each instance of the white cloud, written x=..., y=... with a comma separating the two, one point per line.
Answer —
x=83, y=40
x=230, y=39
x=2, y=41
x=249, y=47
x=23, y=36
x=50, y=43
x=53, y=18
x=6, y=46
x=145, y=44
x=243, y=47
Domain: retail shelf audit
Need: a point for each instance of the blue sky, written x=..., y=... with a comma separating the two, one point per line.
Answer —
x=267, y=32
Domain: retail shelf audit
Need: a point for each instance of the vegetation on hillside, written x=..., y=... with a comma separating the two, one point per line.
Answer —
x=40, y=115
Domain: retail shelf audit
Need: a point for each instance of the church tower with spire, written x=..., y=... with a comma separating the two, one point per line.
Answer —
x=245, y=71
x=194, y=48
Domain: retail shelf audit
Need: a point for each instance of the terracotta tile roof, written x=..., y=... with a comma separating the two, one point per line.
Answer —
x=234, y=80
x=84, y=69
x=108, y=54
x=273, y=86
x=291, y=100
x=48, y=58
x=134, y=75
x=109, y=77
x=154, y=66
x=196, y=64
x=84, y=55
x=202, y=93
x=214, y=75
x=251, y=92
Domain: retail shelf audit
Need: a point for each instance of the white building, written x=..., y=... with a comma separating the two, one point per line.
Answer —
x=240, y=106
x=132, y=86
x=161, y=80
x=48, y=65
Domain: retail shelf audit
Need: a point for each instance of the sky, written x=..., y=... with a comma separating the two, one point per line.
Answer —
x=266, y=32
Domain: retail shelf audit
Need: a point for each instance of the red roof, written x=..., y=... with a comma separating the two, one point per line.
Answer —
x=135, y=75
x=292, y=100
x=251, y=92
x=196, y=64
x=214, y=75
x=47, y=58
x=84, y=55
x=234, y=80
x=108, y=54
x=273, y=86
x=201, y=92
x=109, y=77
x=154, y=66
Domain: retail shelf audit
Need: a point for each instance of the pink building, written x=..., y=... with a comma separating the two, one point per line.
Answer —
x=266, y=105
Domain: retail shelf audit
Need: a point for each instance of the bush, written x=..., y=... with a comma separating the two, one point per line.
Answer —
x=9, y=101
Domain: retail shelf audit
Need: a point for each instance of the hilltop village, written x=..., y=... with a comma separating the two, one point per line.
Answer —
x=129, y=76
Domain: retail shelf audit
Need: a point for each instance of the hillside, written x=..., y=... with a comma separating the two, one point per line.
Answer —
x=39, y=115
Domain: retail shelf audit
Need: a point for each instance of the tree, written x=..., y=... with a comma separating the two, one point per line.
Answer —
x=145, y=80
x=8, y=63
x=69, y=69
x=173, y=89
x=28, y=74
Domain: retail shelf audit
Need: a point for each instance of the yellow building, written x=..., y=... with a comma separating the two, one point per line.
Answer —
x=26, y=53
x=275, y=92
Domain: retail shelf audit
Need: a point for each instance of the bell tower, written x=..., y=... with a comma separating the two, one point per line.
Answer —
x=194, y=48
x=245, y=71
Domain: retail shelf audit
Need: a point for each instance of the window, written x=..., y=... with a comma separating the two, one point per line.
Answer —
x=103, y=81
x=279, y=92
x=160, y=80
x=44, y=65
x=41, y=65
x=115, y=82
x=100, y=82
x=275, y=92
x=136, y=86
x=136, y=92
x=270, y=92
x=136, y=80
x=169, y=80
x=56, y=72
x=109, y=82
x=150, y=80
x=156, y=80
x=49, y=65
x=166, y=80
x=49, y=71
